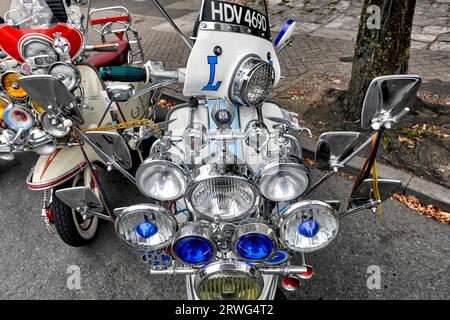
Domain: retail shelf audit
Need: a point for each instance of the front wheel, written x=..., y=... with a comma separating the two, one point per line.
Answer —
x=71, y=226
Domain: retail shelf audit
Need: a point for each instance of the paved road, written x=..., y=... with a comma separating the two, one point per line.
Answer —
x=413, y=252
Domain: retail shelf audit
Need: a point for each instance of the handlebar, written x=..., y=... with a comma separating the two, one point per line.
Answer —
x=109, y=47
x=123, y=74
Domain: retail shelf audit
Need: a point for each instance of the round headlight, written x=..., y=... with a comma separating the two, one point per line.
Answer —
x=11, y=86
x=283, y=178
x=54, y=126
x=228, y=280
x=253, y=82
x=192, y=244
x=161, y=179
x=67, y=74
x=229, y=194
x=18, y=118
x=254, y=240
x=146, y=226
x=38, y=47
x=308, y=226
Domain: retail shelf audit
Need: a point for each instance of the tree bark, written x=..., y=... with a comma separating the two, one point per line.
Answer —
x=379, y=52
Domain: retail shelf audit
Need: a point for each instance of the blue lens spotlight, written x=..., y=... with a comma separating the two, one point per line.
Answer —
x=146, y=229
x=254, y=241
x=194, y=250
x=255, y=246
x=309, y=228
x=192, y=244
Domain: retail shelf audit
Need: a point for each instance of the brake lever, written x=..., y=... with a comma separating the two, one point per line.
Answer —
x=295, y=127
x=151, y=87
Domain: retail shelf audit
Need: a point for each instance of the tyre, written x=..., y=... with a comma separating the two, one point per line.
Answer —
x=70, y=225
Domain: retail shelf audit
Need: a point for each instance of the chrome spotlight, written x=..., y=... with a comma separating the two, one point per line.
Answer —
x=254, y=240
x=228, y=280
x=256, y=134
x=146, y=226
x=54, y=126
x=67, y=74
x=283, y=178
x=41, y=142
x=222, y=191
x=161, y=178
x=193, y=244
x=308, y=226
x=253, y=82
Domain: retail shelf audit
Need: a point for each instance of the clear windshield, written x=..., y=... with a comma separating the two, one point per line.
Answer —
x=30, y=14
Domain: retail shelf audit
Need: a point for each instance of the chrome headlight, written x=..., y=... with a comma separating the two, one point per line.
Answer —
x=308, y=226
x=226, y=193
x=228, y=280
x=40, y=50
x=254, y=240
x=161, y=179
x=54, y=126
x=283, y=178
x=67, y=74
x=253, y=82
x=193, y=244
x=146, y=226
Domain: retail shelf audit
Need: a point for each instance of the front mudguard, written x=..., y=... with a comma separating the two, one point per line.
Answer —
x=59, y=167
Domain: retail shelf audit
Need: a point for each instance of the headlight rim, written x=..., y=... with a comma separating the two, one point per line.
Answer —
x=35, y=38
x=151, y=207
x=207, y=172
x=228, y=266
x=276, y=160
x=263, y=228
x=292, y=209
x=162, y=160
x=76, y=72
x=2, y=78
x=194, y=229
x=239, y=83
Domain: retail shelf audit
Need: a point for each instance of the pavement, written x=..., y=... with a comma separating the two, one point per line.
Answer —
x=411, y=251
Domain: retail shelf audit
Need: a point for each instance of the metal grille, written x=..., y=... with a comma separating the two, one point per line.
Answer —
x=260, y=84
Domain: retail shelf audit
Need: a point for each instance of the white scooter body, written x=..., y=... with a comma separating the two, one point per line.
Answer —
x=65, y=163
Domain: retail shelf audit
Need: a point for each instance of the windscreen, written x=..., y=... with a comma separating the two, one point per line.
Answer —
x=31, y=14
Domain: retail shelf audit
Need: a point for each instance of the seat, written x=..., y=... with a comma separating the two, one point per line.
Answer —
x=115, y=58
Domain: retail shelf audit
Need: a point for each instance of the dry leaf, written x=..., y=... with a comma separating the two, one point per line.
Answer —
x=426, y=210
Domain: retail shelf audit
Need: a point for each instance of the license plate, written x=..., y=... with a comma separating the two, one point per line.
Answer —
x=231, y=13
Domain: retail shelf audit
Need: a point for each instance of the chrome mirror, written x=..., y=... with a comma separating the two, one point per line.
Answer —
x=81, y=199
x=332, y=147
x=364, y=194
x=286, y=36
x=364, y=197
x=53, y=96
x=388, y=99
x=113, y=147
x=119, y=91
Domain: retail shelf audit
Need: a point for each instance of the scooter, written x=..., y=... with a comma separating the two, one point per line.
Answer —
x=47, y=39
x=227, y=183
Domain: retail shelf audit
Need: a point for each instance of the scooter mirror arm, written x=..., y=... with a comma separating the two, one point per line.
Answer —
x=172, y=23
x=97, y=214
x=109, y=160
x=370, y=205
x=340, y=165
x=284, y=46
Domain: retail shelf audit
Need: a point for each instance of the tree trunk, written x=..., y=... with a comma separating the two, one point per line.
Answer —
x=379, y=51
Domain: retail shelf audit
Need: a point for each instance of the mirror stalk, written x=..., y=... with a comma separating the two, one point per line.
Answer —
x=370, y=205
x=172, y=23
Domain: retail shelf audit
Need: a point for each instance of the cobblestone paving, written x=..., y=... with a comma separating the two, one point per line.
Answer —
x=323, y=49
